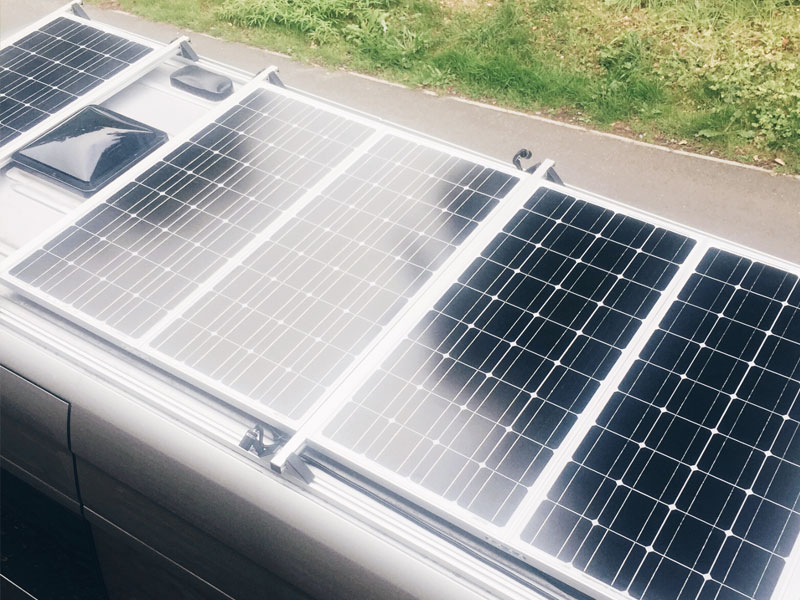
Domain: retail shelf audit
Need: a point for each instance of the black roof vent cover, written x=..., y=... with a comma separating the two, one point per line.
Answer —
x=89, y=149
x=200, y=82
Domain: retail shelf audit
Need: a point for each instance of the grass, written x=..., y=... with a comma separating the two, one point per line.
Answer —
x=715, y=76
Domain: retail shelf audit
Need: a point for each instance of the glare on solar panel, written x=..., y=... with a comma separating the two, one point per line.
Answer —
x=283, y=326
x=472, y=404
x=265, y=257
x=133, y=258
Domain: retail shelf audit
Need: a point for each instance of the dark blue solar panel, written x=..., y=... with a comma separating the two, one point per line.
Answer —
x=688, y=486
x=473, y=402
x=48, y=69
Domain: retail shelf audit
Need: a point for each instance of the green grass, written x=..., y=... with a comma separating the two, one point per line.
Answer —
x=716, y=76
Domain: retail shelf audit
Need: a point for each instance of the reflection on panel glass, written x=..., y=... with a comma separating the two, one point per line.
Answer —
x=138, y=254
x=89, y=149
x=472, y=404
x=47, y=69
x=284, y=325
x=688, y=486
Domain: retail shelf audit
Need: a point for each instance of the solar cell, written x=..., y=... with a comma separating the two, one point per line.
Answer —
x=688, y=485
x=472, y=404
x=135, y=256
x=287, y=322
x=48, y=69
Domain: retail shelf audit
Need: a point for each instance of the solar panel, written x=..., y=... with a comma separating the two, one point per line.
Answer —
x=688, y=485
x=138, y=254
x=472, y=403
x=260, y=257
x=50, y=68
x=286, y=323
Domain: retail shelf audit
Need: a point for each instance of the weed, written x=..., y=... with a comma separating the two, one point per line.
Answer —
x=549, y=6
x=321, y=20
x=724, y=73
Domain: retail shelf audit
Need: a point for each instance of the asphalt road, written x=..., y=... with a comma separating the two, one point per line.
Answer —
x=747, y=205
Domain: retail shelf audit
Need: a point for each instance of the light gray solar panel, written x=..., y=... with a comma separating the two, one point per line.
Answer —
x=283, y=326
x=259, y=258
